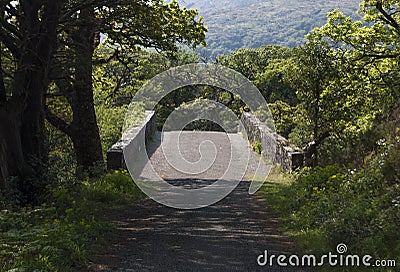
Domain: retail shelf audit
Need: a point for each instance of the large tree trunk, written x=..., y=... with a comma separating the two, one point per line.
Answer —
x=22, y=133
x=84, y=130
x=33, y=136
x=39, y=46
x=12, y=162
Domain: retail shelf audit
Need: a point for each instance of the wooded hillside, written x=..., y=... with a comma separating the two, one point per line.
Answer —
x=253, y=23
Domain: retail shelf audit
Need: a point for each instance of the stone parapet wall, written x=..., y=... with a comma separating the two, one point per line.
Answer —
x=258, y=132
x=133, y=137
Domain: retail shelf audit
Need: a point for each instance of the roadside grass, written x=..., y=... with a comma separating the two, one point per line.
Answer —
x=318, y=214
x=62, y=234
x=279, y=196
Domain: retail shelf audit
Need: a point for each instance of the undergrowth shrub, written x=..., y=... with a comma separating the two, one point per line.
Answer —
x=325, y=206
x=58, y=235
x=358, y=208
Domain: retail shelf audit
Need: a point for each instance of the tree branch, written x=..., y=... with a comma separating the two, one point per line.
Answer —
x=57, y=122
x=388, y=18
x=11, y=10
x=84, y=4
x=10, y=43
x=10, y=28
x=61, y=78
x=322, y=137
x=107, y=60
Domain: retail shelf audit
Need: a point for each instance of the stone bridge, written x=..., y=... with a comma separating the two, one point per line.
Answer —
x=227, y=236
x=189, y=142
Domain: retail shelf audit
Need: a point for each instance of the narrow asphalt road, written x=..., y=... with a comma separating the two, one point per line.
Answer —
x=226, y=236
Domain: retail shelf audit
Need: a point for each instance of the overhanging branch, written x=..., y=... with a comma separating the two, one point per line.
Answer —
x=57, y=122
x=388, y=17
x=10, y=43
x=84, y=4
x=10, y=28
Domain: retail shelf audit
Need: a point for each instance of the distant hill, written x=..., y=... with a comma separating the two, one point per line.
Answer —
x=234, y=24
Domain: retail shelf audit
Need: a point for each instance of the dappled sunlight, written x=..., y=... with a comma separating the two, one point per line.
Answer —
x=227, y=236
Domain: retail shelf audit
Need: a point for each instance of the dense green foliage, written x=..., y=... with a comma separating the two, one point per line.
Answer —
x=323, y=207
x=346, y=79
x=59, y=235
x=265, y=66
